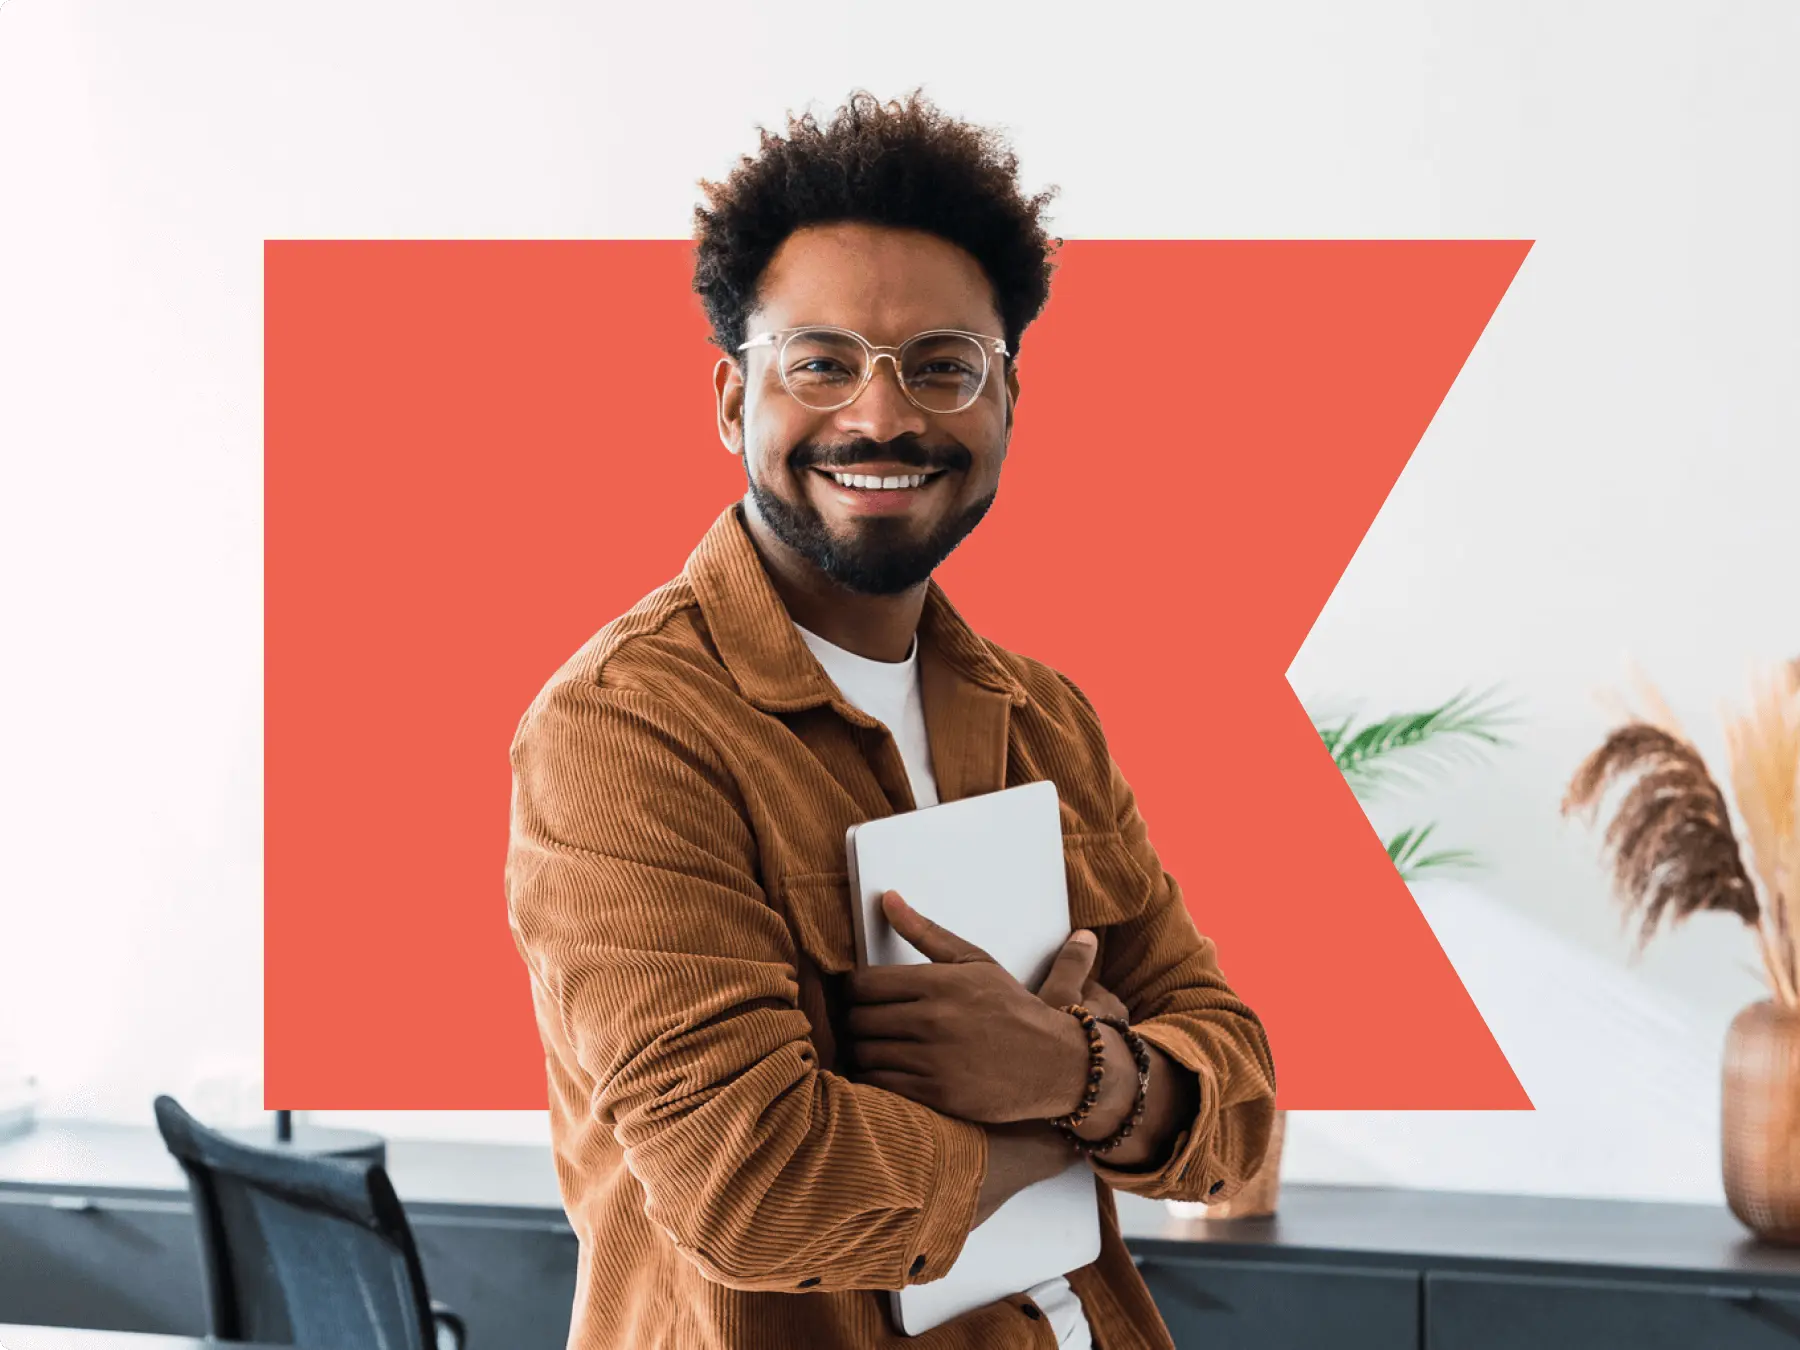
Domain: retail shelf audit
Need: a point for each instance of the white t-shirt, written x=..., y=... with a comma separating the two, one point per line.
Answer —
x=889, y=692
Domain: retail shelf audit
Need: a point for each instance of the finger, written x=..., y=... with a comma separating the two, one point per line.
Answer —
x=1069, y=972
x=886, y=1022
x=1098, y=1000
x=893, y=984
x=898, y=1056
x=931, y=939
x=909, y=1085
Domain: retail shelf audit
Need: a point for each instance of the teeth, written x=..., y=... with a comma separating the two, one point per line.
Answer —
x=863, y=480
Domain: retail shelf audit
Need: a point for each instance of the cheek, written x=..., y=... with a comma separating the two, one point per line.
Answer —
x=987, y=443
x=766, y=453
x=771, y=432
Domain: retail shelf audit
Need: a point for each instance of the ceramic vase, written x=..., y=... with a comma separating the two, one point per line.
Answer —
x=1760, y=1119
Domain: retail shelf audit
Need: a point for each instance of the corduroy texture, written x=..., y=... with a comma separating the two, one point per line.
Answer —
x=676, y=884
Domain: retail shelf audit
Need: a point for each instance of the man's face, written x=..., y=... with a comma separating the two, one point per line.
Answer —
x=886, y=284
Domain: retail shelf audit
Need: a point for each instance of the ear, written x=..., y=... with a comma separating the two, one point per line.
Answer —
x=728, y=394
x=1012, y=392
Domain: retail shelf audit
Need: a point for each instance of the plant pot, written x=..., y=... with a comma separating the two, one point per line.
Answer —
x=1760, y=1120
x=1259, y=1194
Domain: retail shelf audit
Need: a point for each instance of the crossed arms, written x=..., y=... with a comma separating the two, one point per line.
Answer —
x=664, y=978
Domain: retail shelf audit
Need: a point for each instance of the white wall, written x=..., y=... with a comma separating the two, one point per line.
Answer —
x=1615, y=471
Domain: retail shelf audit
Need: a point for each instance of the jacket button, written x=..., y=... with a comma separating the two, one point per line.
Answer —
x=1030, y=1310
x=917, y=1265
x=1216, y=1187
x=809, y=1283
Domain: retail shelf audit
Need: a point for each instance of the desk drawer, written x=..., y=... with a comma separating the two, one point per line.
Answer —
x=1499, y=1312
x=90, y=1261
x=513, y=1281
x=1224, y=1305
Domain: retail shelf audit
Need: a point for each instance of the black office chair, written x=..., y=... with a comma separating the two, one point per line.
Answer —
x=304, y=1251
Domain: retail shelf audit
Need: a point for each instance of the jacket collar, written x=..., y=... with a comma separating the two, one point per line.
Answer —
x=764, y=652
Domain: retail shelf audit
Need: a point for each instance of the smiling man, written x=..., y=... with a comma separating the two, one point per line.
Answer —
x=755, y=1139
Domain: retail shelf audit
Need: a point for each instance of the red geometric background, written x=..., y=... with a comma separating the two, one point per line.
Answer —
x=480, y=452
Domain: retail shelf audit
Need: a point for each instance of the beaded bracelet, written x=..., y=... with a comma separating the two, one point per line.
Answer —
x=1096, y=1067
x=1140, y=1052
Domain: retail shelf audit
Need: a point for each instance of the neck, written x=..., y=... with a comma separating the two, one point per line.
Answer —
x=879, y=627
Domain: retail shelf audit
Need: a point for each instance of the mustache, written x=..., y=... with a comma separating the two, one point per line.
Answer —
x=901, y=450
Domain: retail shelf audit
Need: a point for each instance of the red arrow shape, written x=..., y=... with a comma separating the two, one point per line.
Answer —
x=472, y=466
x=1207, y=430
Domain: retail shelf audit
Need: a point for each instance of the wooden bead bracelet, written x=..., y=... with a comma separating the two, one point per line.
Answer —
x=1140, y=1052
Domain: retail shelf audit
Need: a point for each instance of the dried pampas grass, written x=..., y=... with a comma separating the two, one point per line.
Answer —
x=1764, y=749
x=1673, y=849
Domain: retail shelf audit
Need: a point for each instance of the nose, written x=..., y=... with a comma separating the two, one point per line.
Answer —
x=882, y=412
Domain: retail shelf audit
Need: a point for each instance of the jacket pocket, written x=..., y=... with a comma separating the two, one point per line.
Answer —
x=818, y=910
x=1106, y=884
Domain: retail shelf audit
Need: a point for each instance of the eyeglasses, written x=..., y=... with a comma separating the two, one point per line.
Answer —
x=942, y=370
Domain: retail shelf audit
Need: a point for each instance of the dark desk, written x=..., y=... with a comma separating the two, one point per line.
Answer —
x=62, y=1338
x=1446, y=1230
x=98, y=1217
x=1353, y=1267
x=96, y=1230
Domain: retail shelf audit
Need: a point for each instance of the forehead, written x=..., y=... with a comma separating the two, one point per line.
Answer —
x=885, y=283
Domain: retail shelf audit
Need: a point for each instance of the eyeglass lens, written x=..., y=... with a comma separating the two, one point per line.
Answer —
x=941, y=371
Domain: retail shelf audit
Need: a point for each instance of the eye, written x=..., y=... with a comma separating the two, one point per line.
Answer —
x=822, y=357
x=818, y=365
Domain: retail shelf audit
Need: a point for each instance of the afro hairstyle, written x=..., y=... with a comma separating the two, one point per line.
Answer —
x=902, y=164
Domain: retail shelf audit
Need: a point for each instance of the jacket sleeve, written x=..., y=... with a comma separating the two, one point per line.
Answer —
x=1167, y=976
x=661, y=971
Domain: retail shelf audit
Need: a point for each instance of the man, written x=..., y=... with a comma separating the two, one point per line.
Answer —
x=754, y=1138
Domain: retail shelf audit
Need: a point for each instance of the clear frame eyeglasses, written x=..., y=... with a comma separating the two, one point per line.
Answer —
x=942, y=370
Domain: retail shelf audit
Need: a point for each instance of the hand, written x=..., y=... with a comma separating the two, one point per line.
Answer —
x=1102, y=1004
x=961, y=1035
x=1066, y=984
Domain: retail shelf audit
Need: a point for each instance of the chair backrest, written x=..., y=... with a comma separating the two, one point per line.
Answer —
x=300, y=1250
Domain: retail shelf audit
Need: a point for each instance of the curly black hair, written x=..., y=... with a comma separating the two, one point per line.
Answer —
x=901, y=163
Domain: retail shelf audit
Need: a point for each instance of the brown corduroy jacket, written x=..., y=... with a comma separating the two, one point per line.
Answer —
x=676, y=885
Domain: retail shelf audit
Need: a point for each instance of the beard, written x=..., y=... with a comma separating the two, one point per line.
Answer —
x=881, y=558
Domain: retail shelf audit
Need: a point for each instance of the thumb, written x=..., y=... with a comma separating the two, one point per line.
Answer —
x=1069, y=972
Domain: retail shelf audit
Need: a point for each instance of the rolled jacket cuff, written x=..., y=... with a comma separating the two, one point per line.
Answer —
x=1191, y=1170
x=958, y=1170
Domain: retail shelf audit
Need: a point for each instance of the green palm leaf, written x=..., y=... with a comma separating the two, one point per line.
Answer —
x=1406, y=850
x=1407, y=748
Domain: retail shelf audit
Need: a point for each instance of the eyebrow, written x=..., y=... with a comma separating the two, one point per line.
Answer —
x=928, y=328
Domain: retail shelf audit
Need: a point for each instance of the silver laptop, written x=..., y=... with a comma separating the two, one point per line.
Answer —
x=990, y=869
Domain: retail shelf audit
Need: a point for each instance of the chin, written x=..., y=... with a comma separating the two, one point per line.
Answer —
x=871, y=555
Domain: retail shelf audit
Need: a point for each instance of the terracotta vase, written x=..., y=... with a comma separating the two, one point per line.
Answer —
x=1257, y=1198
x=1760, y=1119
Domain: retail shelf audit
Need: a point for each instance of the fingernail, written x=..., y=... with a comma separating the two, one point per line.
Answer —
x=1084, y=937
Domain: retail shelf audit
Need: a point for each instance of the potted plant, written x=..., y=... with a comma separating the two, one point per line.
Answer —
x=1676, y=851
x=1404, y=750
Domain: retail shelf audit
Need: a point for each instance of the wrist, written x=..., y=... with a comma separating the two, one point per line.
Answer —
x=1073, y=1060
x=1118, y=1087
